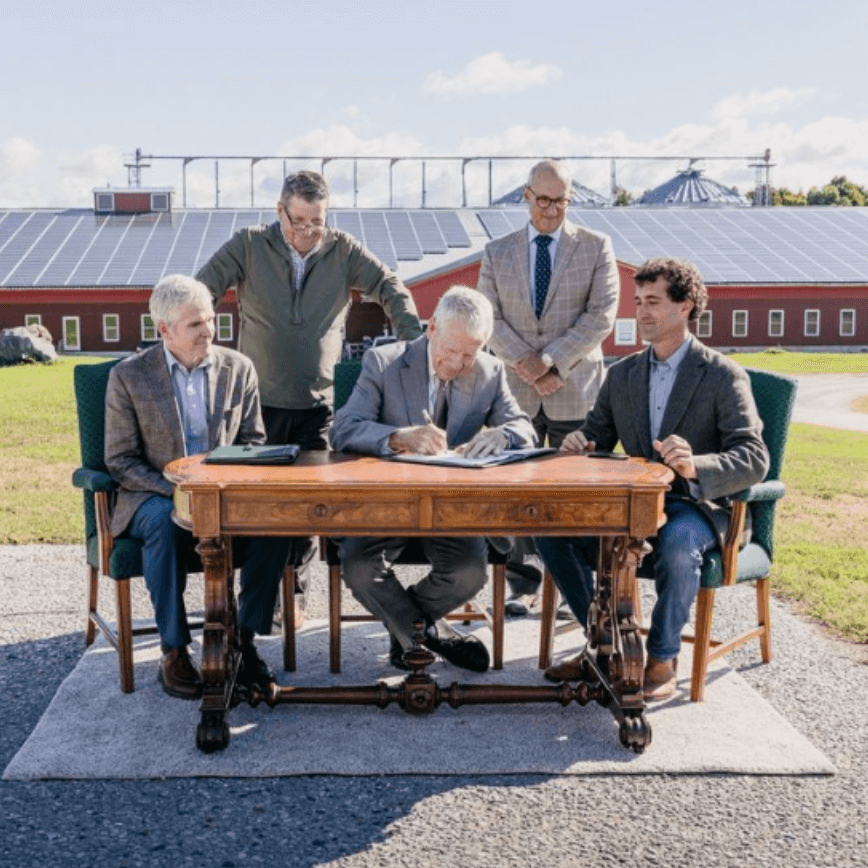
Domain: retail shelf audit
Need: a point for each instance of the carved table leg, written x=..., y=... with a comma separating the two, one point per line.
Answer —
x=614, y=634
x=218, y=645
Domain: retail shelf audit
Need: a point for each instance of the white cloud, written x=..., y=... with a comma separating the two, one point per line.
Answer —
x=761, y=103
x=492, y=73
x=17, y=156
x=806, y=153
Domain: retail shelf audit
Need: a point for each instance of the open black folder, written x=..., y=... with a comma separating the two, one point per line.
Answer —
x=250, y=454
x=454, y=460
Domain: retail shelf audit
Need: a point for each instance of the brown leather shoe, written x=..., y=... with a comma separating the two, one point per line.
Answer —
x=660, y=678
x=566, y=670
x=178, y=675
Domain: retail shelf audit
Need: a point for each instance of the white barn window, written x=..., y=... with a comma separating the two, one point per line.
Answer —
x=812, y=323
x=739, y=323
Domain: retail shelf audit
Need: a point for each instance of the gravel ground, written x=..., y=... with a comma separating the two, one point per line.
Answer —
x=819, y=684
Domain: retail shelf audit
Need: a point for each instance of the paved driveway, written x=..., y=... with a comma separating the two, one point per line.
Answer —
x=825, y=399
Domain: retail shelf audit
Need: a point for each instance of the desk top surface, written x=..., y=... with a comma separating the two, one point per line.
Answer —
x=334, y=469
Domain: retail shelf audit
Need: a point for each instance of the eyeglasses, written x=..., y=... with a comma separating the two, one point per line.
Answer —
x=300, y=226
x=545, y=202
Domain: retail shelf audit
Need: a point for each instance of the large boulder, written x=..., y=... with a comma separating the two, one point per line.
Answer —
x=26, y=344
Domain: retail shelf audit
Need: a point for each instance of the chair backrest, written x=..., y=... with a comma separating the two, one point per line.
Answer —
x=346, y=374
x=775, y=397
x=90, y=383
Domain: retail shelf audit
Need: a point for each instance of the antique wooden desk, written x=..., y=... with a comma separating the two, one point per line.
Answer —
x=336, y=494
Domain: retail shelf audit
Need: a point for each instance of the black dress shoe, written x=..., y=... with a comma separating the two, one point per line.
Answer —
x=254, y=670
x=466, y=652
x=178, y=675
x=396, y=655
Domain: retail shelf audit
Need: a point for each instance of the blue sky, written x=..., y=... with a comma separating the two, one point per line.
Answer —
x=85, y=83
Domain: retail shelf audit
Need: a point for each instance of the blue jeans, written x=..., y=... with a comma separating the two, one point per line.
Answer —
x=677, y=563
x=164, y=557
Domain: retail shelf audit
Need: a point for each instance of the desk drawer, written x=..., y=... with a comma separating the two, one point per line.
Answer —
x=321, y=514
x=531, y=514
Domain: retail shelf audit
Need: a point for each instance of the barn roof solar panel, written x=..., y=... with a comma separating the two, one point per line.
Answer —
x=75, y=247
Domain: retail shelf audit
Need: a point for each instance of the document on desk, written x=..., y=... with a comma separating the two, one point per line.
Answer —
x=454, y=459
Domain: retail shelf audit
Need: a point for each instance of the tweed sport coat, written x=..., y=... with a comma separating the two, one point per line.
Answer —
x=579, y=313
x=143, y=430
x=392, y=392
x=711, y=406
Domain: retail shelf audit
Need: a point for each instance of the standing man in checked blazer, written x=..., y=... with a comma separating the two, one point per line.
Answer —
x=554, y=288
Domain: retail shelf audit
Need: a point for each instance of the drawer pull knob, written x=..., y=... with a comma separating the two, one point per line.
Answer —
x=320, y=510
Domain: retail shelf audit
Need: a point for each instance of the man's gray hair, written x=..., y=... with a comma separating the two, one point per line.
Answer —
x=307, y=185
x=173, y=294
x=468, y=307
x=550, y=167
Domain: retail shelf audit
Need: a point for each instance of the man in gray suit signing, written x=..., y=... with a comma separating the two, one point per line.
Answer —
x=690, y=407
x=554, y=288
x=178, y=398
x=435, y=393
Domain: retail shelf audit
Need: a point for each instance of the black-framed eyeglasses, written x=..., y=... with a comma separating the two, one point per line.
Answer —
x=545, y=202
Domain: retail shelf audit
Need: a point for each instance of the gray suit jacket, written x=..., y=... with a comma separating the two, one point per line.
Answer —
x=711, y=406
x=392, y=392
x=143, y=430
x=579, y=312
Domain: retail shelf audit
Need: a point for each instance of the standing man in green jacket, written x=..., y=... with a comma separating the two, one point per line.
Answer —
x=293, y=280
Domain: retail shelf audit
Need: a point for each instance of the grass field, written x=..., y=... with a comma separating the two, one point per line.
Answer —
x=821, y=556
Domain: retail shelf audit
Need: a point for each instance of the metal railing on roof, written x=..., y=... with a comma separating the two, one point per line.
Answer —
x=138, y=161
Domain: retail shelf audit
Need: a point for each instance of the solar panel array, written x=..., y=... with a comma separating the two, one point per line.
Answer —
x=730, y=245
x=79, y=248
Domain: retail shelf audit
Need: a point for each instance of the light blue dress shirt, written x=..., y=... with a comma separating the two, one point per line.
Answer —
x=191, y=397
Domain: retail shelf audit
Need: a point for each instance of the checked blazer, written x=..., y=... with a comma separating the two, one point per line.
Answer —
x=143, y=430
x=579, y=313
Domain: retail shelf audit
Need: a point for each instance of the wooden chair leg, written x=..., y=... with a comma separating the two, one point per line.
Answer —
x=548, y=614
x=335, y=618
x=92, y=604
x=498, y=600
x=125, y=634
x=702, y=642
x=287, y=619
x=764, y=617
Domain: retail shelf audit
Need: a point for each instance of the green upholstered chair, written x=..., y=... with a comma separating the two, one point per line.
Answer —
x=775, y=396
x=346, y=374
x=117, y=558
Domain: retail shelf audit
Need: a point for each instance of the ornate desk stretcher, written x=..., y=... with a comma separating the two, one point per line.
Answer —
x=333, y=494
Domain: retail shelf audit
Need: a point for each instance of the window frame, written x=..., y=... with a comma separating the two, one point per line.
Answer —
x=222, y=319
x=146, y=324
x=782, y=314
x=808, y=312
x=105, y=328
x=704, y=324
x=852, y=312
x=622, y=325
x=76, y=347
x=735, y=315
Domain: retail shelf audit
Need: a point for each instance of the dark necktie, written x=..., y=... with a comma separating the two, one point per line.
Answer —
x=542, y=272
x=441, y=409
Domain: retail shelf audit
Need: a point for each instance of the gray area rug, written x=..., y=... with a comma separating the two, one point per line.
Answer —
x=92, y=730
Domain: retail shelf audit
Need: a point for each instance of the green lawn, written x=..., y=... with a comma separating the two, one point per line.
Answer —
x=822, y=546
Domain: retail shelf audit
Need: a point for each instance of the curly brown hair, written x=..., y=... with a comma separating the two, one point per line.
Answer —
x=685, y=281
